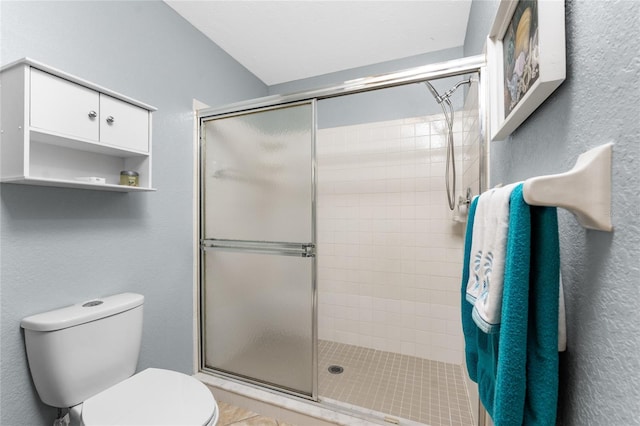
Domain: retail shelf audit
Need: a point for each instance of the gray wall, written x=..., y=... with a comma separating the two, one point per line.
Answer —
x=389, y=104
x=480, y=20
x=597, y=103
x=61, y=246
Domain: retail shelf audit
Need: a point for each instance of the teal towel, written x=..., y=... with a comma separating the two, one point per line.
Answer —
x=469, y=327
x=542, y=340
x=517, y=369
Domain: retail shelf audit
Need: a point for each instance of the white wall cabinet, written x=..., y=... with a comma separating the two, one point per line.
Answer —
x=57, y=129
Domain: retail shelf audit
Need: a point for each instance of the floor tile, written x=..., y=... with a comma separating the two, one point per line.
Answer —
x=230, y=414
x=398, y=385
x=256, y=421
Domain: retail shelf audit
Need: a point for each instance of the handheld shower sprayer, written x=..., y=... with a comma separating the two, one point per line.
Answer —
x=434, y=92
x=450, y=172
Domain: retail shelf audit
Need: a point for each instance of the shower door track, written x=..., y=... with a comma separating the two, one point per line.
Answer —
x=358, y=85
x=471, y=64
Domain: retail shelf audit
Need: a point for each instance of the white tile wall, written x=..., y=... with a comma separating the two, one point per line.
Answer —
x=389, y=253
x=470, y=158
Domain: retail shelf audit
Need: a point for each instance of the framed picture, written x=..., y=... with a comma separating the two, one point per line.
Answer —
x=526, y=60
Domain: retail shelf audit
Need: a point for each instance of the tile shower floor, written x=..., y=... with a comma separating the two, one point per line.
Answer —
x=417, y=389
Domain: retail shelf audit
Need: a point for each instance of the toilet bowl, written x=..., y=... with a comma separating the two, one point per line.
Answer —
x=153, y=397
x=83, y=357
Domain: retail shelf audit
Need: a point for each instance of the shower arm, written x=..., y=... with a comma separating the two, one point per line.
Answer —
x=449, y=92
x=446, y=95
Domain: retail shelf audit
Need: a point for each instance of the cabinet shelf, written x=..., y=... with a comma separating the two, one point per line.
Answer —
x=57, y=128
x=74, y=184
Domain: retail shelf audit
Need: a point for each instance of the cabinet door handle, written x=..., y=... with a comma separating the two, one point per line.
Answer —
x=110, y=119
x=93, y=114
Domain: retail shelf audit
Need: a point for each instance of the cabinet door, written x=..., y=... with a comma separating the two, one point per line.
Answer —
x=60, y=106
x=123, y=124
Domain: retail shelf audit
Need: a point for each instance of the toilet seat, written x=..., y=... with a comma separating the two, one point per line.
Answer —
x=152, y=397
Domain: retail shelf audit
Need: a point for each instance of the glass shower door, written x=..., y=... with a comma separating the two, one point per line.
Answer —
x=257, y=246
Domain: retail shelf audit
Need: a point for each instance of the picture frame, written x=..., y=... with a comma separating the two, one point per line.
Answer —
x=526, y=60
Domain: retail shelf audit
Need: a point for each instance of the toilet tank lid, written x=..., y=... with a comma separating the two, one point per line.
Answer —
x=82, y=312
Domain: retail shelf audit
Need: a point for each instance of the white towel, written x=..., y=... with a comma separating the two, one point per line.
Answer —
x=488, y=252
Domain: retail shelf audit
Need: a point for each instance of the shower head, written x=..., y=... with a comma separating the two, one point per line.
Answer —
x=433, y=91
x=446, y=95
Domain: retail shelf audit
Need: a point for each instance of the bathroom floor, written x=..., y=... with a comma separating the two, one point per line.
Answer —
x=417, y=389
x=230, y=415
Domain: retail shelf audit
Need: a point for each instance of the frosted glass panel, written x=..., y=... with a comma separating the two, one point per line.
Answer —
x=258, y=320
x=257, y=175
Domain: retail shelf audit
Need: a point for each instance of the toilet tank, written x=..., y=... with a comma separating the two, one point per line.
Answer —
x=83, y=349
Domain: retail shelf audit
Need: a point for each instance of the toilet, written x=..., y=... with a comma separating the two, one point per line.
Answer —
x=83, y=357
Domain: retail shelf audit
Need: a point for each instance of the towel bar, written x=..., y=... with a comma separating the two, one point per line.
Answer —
x=585, y=190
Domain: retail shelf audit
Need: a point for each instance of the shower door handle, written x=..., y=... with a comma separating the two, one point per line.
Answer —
x=264, y=247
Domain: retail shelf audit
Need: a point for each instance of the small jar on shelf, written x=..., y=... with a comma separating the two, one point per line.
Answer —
x=129, y=178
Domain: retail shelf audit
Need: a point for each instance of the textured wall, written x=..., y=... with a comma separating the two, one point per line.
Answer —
x=60, y=246
x=597, y=103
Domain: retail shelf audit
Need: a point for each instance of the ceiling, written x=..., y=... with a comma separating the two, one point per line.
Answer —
x=281, y=41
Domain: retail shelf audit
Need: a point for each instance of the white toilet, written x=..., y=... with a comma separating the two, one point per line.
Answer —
x=83, y=357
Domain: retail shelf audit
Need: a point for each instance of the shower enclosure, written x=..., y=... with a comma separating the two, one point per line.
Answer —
x=330, y=260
